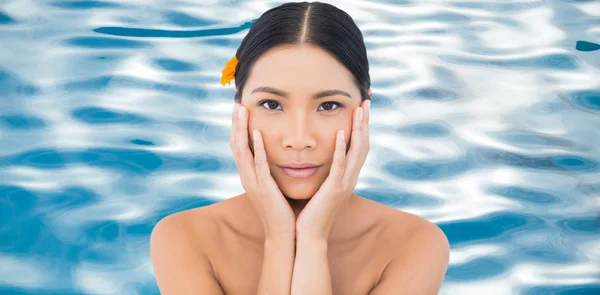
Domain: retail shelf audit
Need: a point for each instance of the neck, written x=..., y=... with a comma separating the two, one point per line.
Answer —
x=297, y=205
x=253, y=227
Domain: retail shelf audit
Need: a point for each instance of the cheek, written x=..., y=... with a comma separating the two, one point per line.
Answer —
x=252, y=125
x=260, y=125
x=330, y=134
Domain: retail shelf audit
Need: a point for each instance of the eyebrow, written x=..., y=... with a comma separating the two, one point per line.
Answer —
x=317, y=95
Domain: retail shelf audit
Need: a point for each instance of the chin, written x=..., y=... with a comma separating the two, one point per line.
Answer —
x=298, y=191
x=297, y=196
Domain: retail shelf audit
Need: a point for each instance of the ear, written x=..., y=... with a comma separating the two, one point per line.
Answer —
x=370, y=93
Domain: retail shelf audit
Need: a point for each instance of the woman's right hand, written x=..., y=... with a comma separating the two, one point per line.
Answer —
x=277, y=216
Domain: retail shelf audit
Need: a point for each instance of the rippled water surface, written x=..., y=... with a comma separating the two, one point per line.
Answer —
x=485, y=120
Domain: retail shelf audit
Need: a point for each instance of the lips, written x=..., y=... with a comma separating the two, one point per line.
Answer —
x=301, y=172
x=298, y=165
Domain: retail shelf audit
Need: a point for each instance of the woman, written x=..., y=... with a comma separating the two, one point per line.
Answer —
x=302, y=83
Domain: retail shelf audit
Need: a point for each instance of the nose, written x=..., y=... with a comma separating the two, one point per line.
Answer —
x=300, y=134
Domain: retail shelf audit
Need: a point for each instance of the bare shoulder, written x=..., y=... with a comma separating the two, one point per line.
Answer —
x=393, y=223
x=404, y=230
x=177, y=252
x=418, y=253
x=187, y=223
x=407, y=226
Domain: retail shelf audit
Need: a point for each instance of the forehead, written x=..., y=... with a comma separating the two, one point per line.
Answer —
x=300, y=69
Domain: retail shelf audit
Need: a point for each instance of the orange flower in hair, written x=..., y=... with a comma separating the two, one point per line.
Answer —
x=228, y=72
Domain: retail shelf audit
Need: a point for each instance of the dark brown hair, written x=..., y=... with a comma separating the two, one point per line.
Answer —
x=314, y=23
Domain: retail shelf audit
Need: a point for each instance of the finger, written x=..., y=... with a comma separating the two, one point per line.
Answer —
x=365, y=126
x=233, y=126
x=245, y=158
x=260, y=160
x=367, y=108
x=232, y=136
x=367, y=120
x=339, y=158
x=358, y=147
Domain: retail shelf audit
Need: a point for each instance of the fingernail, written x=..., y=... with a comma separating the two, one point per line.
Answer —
x=360, y=114
x=235, y=107
x=369, y=106
x=342, y=134
x=239, y=113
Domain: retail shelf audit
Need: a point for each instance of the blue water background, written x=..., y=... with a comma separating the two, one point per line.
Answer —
x=485, y=120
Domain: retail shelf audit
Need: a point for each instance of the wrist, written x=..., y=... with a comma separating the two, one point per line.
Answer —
x=280, y=238
x=311, y=240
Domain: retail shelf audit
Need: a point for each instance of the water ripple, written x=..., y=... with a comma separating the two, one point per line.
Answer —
x=185, y=20
x=104, y=42
x=154, y=33
x=22, y=122
x=5, y=19
x=587, y=100
x=550, y=61
x=484, y=121
x=97, y=115
x=83, y=4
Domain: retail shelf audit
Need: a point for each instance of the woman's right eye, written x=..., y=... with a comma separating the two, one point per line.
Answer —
x=269, y=103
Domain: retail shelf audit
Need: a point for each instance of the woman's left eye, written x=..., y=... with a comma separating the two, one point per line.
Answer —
x=332, y=103
x=328, y=105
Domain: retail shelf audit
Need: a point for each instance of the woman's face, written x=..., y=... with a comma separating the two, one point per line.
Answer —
x=294, y=125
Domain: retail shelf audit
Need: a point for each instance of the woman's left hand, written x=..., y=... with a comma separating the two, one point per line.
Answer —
x=318, y=216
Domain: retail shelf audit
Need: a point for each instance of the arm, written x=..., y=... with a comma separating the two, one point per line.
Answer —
x=311, y=268
x=420, y=268
x=278, y=261
x=180, y=266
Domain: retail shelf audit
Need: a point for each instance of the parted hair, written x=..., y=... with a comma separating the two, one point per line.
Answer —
x=296, y=23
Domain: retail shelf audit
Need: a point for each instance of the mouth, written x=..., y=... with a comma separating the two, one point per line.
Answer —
x=300, y=172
